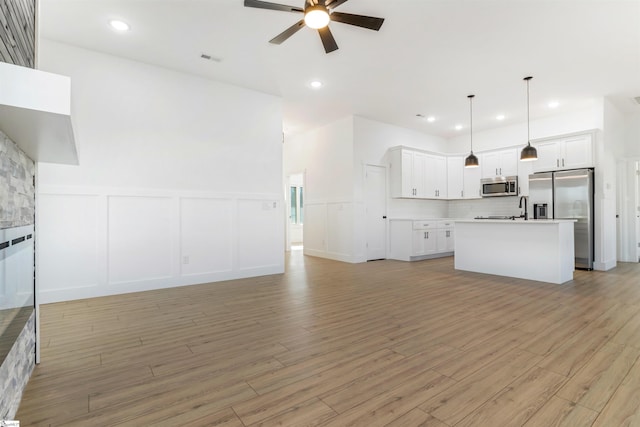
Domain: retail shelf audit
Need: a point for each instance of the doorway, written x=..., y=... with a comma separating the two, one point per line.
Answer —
x=376, y=211
x=295, y=210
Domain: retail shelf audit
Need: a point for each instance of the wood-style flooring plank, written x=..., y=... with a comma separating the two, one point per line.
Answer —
x=518, y=402
x=329, y=343
x=593, y=386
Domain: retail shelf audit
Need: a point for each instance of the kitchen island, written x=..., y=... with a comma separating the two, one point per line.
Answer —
x=541, y=250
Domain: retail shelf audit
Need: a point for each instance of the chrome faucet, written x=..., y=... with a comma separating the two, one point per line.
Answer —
x=526, y=214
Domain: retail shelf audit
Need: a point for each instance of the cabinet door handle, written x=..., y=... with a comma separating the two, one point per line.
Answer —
x=448, y=233
x=425, y=234
x=462, y=193
x=496, y=171
x=557, y=163
x=562, y=162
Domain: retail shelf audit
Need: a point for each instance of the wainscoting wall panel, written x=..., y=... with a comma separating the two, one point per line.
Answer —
x=111, y=241
x=315, y=228
x=328, y=229
x=206, y=239
x=340, y=233
x=69, y=257
x=140, y=238
x=255, y=219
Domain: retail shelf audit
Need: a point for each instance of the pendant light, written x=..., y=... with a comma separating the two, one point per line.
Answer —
x=471, y=161
x=528, y=153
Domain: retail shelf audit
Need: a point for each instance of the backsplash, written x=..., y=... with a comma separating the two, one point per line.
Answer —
x=17, y=192
x=417, y=209
x=468, y=209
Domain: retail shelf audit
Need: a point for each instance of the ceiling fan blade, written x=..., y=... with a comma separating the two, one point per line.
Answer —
x=287, y=33
x=272, y=6
x=335, y=3
x=327, y=39
x=358, y=20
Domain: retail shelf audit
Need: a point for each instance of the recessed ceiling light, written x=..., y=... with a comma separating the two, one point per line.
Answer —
x=500, y=117
x=458, y=127
x=316, y=84
x=554, y=104
x=431, y=119
x=119, y=25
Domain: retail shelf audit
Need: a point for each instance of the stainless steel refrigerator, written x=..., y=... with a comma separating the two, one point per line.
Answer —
x=567, y=195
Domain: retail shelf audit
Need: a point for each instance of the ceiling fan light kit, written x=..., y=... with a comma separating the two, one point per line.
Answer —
x=317, y=15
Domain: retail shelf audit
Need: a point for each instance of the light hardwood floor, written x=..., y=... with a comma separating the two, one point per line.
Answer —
x=334, y=344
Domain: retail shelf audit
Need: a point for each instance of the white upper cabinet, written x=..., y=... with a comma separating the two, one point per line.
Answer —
x=455, y=173
x=407, y=173
x=463, y=183
x=436, y=177
x=417, y=175
x=567, y=153
x=472, y=183
x=499, y=163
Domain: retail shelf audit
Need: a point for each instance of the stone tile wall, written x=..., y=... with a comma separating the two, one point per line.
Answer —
x=16, y=370
x=17, y=208
x=17, y=191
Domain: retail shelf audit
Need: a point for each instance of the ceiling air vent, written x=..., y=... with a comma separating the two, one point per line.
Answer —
x=210, y=58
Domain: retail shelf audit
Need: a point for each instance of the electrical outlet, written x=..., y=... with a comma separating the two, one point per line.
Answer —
x=185, y=259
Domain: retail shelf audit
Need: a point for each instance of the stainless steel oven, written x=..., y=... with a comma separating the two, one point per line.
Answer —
x=499, y=186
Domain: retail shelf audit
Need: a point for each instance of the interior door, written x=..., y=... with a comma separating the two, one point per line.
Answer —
x=375, y=205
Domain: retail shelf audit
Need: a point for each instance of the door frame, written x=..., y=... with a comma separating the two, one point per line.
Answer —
x=628, y=203
x=287, y=215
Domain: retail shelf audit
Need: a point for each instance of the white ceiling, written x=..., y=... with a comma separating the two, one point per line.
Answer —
x=427, y=57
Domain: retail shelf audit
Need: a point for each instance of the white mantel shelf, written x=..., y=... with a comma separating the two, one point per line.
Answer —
x=35, y=113
x=541, y=250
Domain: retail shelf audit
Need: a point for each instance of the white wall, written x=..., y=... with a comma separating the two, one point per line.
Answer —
x=180, y=181
x=632, y=134
x=372, y=141
x=516, y=134
x=627, y=154
x=326, y=157
x=609, y=147
x=334, y=158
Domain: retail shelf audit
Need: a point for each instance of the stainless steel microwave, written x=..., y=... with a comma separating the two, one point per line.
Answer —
x=499, y=186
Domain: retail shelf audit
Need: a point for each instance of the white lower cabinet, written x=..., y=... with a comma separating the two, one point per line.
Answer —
x=413, y=240
x=445, y=242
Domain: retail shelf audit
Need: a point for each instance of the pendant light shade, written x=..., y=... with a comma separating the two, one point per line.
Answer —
x=528, y=153
x=471, y=161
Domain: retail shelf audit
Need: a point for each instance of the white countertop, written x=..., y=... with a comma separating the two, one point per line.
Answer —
x=516, y=221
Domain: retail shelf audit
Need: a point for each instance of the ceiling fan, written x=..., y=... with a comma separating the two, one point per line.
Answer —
x=317, y=15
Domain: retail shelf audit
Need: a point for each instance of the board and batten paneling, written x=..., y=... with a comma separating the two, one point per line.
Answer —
x=328, y=230
x=18, y=32
x=118, y=242
x=205, y=235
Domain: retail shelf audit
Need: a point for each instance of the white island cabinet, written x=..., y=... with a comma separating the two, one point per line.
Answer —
x=414, y=240
x=539, y=250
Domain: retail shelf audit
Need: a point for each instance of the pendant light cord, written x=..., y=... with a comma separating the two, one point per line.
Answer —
x=471, y=120
x=528, y=134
